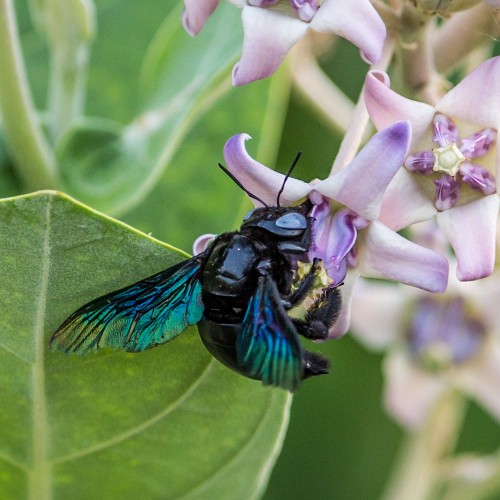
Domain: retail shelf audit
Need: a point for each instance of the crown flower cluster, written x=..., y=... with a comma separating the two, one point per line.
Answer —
x=349, y=238
x=272, y=27
x=418, y=196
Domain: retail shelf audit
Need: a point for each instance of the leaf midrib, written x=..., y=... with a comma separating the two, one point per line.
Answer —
x=41, y=474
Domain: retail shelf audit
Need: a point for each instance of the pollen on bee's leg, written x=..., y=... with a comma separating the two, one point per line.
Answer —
x=304, y=282
x=325, y=309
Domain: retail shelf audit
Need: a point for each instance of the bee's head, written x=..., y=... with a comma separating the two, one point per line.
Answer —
x=290, y=227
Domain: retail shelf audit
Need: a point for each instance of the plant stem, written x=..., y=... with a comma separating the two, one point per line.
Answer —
x=70, y=27
x=33, y=157
x=416, y=472
x=314, y=85
x=67, y=86
x=464, y=33
x=417, y=71
x=359, y=121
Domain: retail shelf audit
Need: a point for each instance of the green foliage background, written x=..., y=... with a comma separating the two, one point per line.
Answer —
x=340, y=443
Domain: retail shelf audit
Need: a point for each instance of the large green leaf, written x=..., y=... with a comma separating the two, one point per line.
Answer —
x=168, y=423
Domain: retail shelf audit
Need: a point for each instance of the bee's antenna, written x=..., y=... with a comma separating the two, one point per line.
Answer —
x=240, y=185
x=290, y=170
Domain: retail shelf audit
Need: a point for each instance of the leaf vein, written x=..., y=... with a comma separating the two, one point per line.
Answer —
x=140, y=427
x=7, y=458
x=18, y=356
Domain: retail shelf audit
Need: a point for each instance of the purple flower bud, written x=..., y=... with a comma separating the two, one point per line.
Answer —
x=479, y=143
x=479, y=178
x=420, y=162
x=305, y=9
x=447, y=192
x=442, y=334
x=445, y=131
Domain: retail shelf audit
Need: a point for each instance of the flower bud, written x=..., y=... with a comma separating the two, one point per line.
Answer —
x=443, y=7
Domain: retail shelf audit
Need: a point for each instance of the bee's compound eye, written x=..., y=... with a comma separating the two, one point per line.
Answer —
x=249, y=214
x=292, y=220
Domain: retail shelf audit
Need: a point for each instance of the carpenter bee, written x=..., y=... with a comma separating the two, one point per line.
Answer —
x=238, y=291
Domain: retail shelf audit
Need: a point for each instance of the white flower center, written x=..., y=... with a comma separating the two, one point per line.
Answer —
x=436, y=357
x=448, y=159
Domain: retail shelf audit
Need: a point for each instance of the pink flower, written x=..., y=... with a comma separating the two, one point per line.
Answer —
x=452, y=171
x=347, y=234
x=434, y=343
x=272, y=27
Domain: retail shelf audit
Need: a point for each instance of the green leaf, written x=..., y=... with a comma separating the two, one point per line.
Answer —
x=181, y=78
x=171, y=422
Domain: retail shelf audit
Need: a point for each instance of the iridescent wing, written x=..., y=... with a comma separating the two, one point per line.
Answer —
x=137, y=317
x=267, y=345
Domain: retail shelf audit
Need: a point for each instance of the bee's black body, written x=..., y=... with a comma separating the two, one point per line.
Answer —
x=238, y=291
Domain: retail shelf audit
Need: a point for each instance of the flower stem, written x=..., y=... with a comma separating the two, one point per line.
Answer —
x=321, y=92
x=417, y=67
x=416, y=472
x=33, y=157
x=359, y=122
x=69, y=26
x=67, y=87
x=463, y=33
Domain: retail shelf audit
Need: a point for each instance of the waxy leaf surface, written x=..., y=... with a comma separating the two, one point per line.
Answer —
x=167, y=423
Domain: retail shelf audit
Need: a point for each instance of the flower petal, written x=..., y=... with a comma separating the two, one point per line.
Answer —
x=341, y=326
x=386, y=106
x=361, y=185
x=196, y=13
x=481, y=380
x=341, y=237
x=471, y=231
x=355, y=20
x=377, y=312
x=405, y=203
x=269, y=36
x=201, y=243
x=483, y=296
x=410, y=393
x=258, y=179
x=475, y=98
x=386, y=254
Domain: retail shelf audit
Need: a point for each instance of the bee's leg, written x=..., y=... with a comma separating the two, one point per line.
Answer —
x=305, y=286
x=314, y=364
x=320, y=316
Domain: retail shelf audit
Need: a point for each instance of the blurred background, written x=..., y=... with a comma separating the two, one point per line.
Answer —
x=340, y=443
